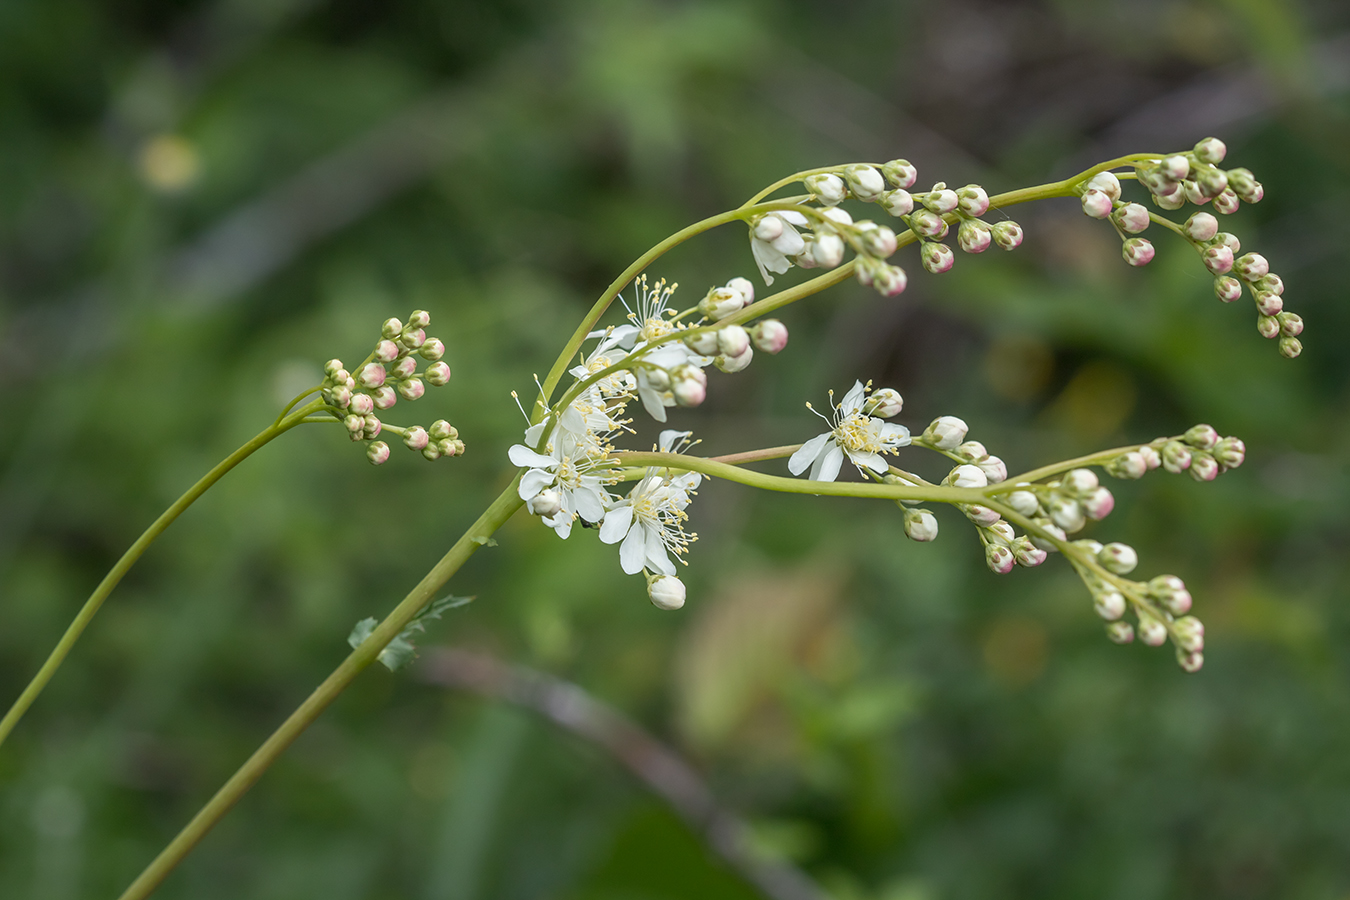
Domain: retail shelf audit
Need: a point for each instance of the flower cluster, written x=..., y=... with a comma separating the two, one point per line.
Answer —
x=388, y=373
x=1194, y=177
x=856, y=432
x=777, y=244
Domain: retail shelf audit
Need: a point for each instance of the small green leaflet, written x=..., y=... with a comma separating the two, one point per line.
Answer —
x=402, y=650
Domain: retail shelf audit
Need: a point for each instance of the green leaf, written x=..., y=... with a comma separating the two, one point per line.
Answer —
x=401, y=650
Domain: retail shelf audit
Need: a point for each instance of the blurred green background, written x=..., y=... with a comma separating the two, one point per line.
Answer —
x=201, y=202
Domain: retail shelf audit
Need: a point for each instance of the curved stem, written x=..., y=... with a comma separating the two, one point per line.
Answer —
x=492, y=518
x=1092, y=459
x=133, y=553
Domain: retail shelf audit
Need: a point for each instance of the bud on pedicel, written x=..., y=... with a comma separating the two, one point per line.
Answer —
x=974, y=236
x=1132, y=218
x=890, y=281
x=1096, y=204
x=1128, y=465
x=1201, y=227
x=1267, y=326
x=1189, y=634
x=1252, y=266
x=946, y=432
x=828, y=250
x=897, y=202
x=412, y=338
x=1213, y=182
x=744, y=288
x=1226, y=203
x=1227, y=288
x=441, y=430
x=1176, y=457
x=1067, y=514
x=1024, y=502
x=666, y=592
x=767, y=228
x=1079, y=482
x=356, y=426
x=1151, y=631
x=689, y=385
x=878, y=240
x=1268, y=304
x=1050, y=528
x=883, y=403
x=391, y=329
x=720, y=303
x=1027, y=554
x=1211, y=150
x=416, y=438
x=972, y=200
x=940, y=200
x=384, y=397
x=732, y=364
x=1099, y=504
x=1007, y=234
x=412, y=389
x=1170, y=591
x=372, y=375
x=769, y=335
x=967, y=476
x=372, y=427
x=432, y=350
x=1107, y=183
x=437, y=374
x=999, y=559
x=1190, y=662
x=900, y=173
x=377, y=452
x=1137, y=251
x=1291, y=324
x=1176, y=167
x=1202, y=437
x=972, y=450
x=920, y=525
x=1203, y=467
x=1110, y=605
x=386, y=351
x=828, y=188
x=546, y=503
x=1150, y=456
x=404, y=368
x=1118, y=558
x=937, y=258
x=1230, y=452
x=1120, y=633
x=733, y=340
x=1218, y=259
x=994, y=469
x=865, y=182
x=704, y=343
x=929, y=224
x=362, y=404
x=982, y=516
x=1175, y=200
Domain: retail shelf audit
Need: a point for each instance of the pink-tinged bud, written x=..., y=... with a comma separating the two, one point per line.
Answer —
x=386, y=351
x=732, y=340
x=1106, y=183
x=1079, y=482
x=1230, y=452
x=355, y=425
x=1132, y=218
x=1096, y=204
x=431, y=452
x=1252, y=266
x=967, y=477
x=1170, y=591
x=864, y=182
x=437, y=374
x=1027, y=554
x=1226, y=203
x=982, y=516
x=721, y=302
x=450, y=447
x=879, y=241
x=744, y=288
x=404, y=368
x=1227, y=288
x=1290, y=347
x=377, y=452
x=1050, y=529
x=999, y=559
x=1151, y=457
x=1137, y=251
x=1174, y=200
x=1226, y=239
x=1213, y=182
x=1291, y=324
x=1007, y=234
x=416, y=438
x=900, y=173
x=732, y=364
x=419, y=319
x=770, y=335
x=920, y=525
x=372, y=427
x=1267, y=326
x=940, y=200
x=432, y=350
x=1203, y=467
x=372, y=375
x=829, y=189
x=1201, y=227
x=1151, y=631
x=1190, y=662
x=1099, y=503
x=362, y=404
x=339, y=377
x=972, y=200
x=412, y=338
x=332, y=367
x=704, y=343
x=1118, y=558
x=828, y=251
x=883, y=403
x=994, y=469
x=1110, y=605
x=441, y=430
x=412, y=389
x=974, y=236
x=890, y=281
x=1211, y=150
x=1024, y=502
x=897, y=202
x=546, y=503
x=767, y=228
x=1195, y=193
x=1218, y=259
x=946, y=433
x=1176, y=167
x=1176, y=457
x=340, y=396
x=1067, y=514
x=385, y=397
x=688, y=392
x=972, y=450
x=391, y=329
x=937, y=258
x=666, y=592
x=1120, y=633
x=1189, y=634
x=928, y=224
x=1201, y=437
x=1128, y=465
x=1272, y=283
x=1268, y=304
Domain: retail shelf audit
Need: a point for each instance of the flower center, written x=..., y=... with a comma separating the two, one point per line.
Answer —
x=855, y=432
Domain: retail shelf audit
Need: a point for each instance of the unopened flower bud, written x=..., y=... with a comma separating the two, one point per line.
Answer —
x=744, y=287
x=1202, y=437
x=332, y=367
x=1120, y=632
x=1001, y=532
x=372, y=427
x=1079, y=482
x=1227, y=288
x=404, y=368
x=1176, y=457
x=1190, y=662
x=391, y=328
x=1067, y=514
x=1110, y=605
x=386, y=351
x=920, y=525
x=1291, y=324
x=1151, y=457
x=1189, y=634
x=1213, y=182
x=1230, y=452
x=972, y=450
x=362, y=404
x=1195, y=193
x=419, y=319
x=416, y=437
x=1268, y=304
x=879, y=241
x=1203, y=467
x=1024, y=502
x=441, y=429
x=431, y=452
x=355, y=425
x=733, y=340
x=937, y=258
x=432, y=350
x=545, y=504
x=1118, y=558
x=1050, y=529
x=1132, y=218
x=1170, y=591
x=1226, y=203
x=828, y=250
x=731, y=364
x=1151, y=631
x=1137, y=251
x=372, y=375
x=1176, y=167
x=1096, y=204
x=412, y=389
x=1251, y=266
x=1211, y=150
x=940, y=199
x=437, y=374
x=769, y=335
x=704, y=343
x=767, y=228
x=340, y=396
x=973, y=236
x=720, y=303
x=412, y=338
x=928, y=224
x=972, y=200
x=1267, y=326
x=946, y=432
x=1128, y=465
x=1026, y=553
x=994, y=469
x=1106, y=183
x=889, y=281
x=1007, y=234
x=1218, y=259
x=898, y=202
x=450, y=447
x=865, y=182
x=900, y=173
x=979, y=515
x=666, y=592
x=1174, y=200
x=967, y=476
x=883, y=403
x=999, y=559
x=689, y=384
x=828, y=188
x=1098, y=504
x=377, y=452
x=1201, y=227
x=384, y=397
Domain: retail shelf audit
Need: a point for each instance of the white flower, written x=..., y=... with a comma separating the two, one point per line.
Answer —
x=650, y=520
x=774, y=255
x=577, y=479
x=856, y=435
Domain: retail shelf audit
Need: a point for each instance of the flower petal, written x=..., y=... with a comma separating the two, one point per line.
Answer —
x=589, y=504
x=528, y=459
x=872, y=461
x=806, y=454
x=656, y=552
x=632, y=551
x=827, y=467
x=852, y=401
x=534, y=481
x=895, y=435
x=616, y=524
x=651, y=401
x=561, y=523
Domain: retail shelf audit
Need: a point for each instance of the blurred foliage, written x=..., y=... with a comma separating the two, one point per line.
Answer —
x=201, y=202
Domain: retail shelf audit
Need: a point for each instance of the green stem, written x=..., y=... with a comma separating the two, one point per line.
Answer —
x=129, y=558
x=492, y=518
x=1092, y=459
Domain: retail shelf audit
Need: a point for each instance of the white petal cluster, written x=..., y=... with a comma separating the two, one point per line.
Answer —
x=855, y=435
